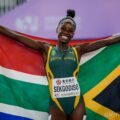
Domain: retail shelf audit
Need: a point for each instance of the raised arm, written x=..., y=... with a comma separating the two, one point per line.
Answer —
x=35, y=44
x=88, y=47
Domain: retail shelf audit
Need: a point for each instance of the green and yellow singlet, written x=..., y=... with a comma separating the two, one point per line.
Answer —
x=62, y=68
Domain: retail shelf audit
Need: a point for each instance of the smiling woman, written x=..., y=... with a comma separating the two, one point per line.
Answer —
x=66, y=27
x=62, y=66
x=65, y=97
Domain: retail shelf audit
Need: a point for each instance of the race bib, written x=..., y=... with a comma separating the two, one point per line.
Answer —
x=65, y=87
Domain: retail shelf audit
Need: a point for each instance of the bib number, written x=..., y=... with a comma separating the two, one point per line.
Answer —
x=65, y=87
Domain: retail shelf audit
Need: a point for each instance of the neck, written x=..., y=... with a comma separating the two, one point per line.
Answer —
x=62, y=46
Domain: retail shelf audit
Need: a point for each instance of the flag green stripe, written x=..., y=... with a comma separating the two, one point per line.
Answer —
x=96, y=69
x=23, y=94
x=94, y=116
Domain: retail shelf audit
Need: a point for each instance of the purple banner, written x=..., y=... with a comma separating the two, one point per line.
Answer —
x=94, y=18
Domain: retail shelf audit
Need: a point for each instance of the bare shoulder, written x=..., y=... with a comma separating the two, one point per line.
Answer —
x=80, y=47
x=44, y=46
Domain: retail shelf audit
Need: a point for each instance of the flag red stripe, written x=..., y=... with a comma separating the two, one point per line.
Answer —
x=16, y=56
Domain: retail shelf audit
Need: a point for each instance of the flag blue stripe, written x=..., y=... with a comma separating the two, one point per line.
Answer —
x=4, y=116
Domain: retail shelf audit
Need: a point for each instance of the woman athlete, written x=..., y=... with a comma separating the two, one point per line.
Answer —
x=62, y=65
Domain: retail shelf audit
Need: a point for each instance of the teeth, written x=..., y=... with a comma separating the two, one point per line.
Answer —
x=64, y=37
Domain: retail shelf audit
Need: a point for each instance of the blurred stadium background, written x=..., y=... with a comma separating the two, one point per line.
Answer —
x=40, y=17
x=7, y=5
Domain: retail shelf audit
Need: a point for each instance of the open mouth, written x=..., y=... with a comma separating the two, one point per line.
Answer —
x=64, y=38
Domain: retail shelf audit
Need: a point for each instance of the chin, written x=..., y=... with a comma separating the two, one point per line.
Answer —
x=64, y=42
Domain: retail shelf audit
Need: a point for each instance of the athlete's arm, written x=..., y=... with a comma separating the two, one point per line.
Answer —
x=88, y=47
x=35, y=44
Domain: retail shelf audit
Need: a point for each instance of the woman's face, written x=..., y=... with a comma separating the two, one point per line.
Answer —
x=65, y=32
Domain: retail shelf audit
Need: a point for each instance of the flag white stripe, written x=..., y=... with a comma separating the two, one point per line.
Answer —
x=18, y=111
x=13, y=74
x=42, y=80
x=86, y=57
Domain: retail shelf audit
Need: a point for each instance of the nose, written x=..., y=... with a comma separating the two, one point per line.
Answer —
x=66, y=33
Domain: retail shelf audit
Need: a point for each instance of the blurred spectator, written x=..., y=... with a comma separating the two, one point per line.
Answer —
x=7, y=5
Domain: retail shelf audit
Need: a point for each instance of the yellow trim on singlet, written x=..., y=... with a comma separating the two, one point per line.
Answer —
x=77, y=99
x=48, y=71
